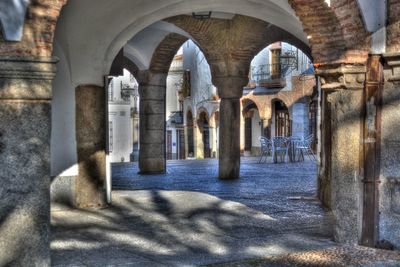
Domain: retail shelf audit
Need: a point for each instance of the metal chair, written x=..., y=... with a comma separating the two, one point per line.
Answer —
x=305, y=147
x=266, y=148
x=293, y=142
x=279, y=148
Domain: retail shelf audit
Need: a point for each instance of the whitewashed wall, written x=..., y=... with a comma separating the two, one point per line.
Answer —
x=119, y=114
x=255, y=129
x=63, y=142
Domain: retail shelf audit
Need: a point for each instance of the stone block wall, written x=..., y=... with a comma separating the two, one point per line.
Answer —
x=389, y=187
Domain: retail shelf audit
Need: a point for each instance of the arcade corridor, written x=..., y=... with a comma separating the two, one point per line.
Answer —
x=189, y=217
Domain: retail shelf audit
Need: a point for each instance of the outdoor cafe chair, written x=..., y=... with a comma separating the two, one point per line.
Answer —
x=266, y=148
x=279, y=148
x=304, y=147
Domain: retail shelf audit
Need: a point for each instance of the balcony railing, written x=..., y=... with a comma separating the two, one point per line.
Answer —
x=176, y=117
x=271, y=75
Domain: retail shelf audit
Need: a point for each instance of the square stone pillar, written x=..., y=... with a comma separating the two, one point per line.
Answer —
x=230, y=89
x=25, y=127
x=152, y=90
x=342, y=88
x=389, y=187
x=89, y=190
x=229, y=139
x=198, y=141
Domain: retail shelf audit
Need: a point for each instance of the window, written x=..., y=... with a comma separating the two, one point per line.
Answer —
x=110, y=136
x=111, y=91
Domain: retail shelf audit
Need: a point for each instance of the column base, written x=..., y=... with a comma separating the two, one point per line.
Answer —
x=152, y=166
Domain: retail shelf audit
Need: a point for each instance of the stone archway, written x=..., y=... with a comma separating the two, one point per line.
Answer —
x=339, y=47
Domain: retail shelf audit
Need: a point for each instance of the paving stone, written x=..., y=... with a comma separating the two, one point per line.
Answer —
x=188, y=217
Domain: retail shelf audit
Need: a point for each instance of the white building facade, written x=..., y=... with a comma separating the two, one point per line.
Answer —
x=122, y=115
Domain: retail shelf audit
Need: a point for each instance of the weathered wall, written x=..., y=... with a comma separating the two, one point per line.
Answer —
x=389, y=188
x=345, y=180
x=26, y=73
x=393, y=29
x=25, y=127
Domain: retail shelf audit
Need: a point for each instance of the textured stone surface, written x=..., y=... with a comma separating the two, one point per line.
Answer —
x=341, y=256
x=324, y=168
x=393, y=29
x=62, y=190
x=188, y=217
x=152, y=92
x=25, y=177
x=345, y=153
x=389, y=189
x=90, y=138
x=229, y=139
x=25, y=125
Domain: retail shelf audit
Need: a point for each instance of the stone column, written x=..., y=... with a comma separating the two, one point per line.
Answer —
x=91, y=142
x=186, y=129
x=25, y=126
x=324, y=168
x=198, y=141
x=212, y=142
x=230, y=89
x=135, y=135
x=152, y=90
x=242, y=131
x=345, y=87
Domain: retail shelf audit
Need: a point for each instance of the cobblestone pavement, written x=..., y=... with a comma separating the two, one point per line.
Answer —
x=188, y=217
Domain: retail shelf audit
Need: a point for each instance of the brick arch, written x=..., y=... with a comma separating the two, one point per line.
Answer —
x=165, y=52
x=189, y=112
x=337, y=33
x=246, y=102
x=120, y=63
x=282, y=99
x=239, y=39
x=201, y=110
x=38, y=33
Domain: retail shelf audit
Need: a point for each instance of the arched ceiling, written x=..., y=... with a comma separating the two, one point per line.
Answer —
x=141, y=47
x=91, y=34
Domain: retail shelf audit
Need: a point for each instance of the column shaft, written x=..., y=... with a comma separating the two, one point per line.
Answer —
x=152, y=124
x=229, y=139
x=89, y=188
x=25, y=127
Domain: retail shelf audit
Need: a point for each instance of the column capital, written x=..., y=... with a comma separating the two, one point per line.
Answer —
x=150, y=78
x=230, y=86
x=341, y=76
x=392, y=65
x=24, y=77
